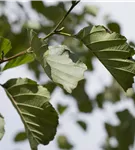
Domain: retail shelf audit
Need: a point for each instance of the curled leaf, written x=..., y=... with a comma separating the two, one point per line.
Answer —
x=61, y=68
x=58, y=64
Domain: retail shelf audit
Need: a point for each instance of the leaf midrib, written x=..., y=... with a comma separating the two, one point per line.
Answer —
x=16, y=85
x=102, y=41
x=14, y=103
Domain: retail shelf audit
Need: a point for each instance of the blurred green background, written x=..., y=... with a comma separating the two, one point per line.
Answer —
x=86, y=121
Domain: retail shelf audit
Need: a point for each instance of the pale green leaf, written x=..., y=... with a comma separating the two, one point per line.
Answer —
x=2, y=123
x=113, y=51
x=57, y=63
x=27, y=58
x=61, y=68
x=92, y=10
x=32, y=103
x=5, y=46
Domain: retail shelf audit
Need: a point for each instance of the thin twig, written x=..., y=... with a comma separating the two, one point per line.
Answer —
x=64, y=34
x=65, y=16
x=55, y=30
x=15, y=56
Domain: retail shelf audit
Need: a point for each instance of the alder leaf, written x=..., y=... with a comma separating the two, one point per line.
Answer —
x=113, y=51
x=27, y=58
x=61, y=68
x=5, y=46
x=32, y=103
x=2, y=123
x=57, y=63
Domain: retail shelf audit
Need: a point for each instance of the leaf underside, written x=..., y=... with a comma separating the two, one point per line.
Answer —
x=113, y=52
x=61, y=67
x=58, y=65
x=32, y=103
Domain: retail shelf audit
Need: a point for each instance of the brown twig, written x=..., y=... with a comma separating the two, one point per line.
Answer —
x=15, y=56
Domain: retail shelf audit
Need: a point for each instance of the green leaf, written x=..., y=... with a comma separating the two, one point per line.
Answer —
x=61, y=68
x=83, y=102
x=32, y=103
x=50, y=86
x=81, y=51
x=34, y=67
x=27, y=58
x=2, y=123
x=132, y=44
x=111, y=93
x=38, y=6
x=92, y=10
x=20, y=137
x=39, y=46
x=64, y=143
x=114, y=26
x=109, y=129
x=100, y=100
x=5, y=46
x=50, y=12
x=82, y=124
x=123, y=132
x=113, y=51
x=61, y=108
x=57, y=64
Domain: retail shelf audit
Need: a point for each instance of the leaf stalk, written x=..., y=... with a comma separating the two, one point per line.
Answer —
x=55, y=30
x=15, y=56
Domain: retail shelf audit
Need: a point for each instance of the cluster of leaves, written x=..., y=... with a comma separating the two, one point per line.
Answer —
x=62, y=66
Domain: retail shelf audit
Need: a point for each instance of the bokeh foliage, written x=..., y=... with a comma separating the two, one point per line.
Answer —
x=46, y=18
